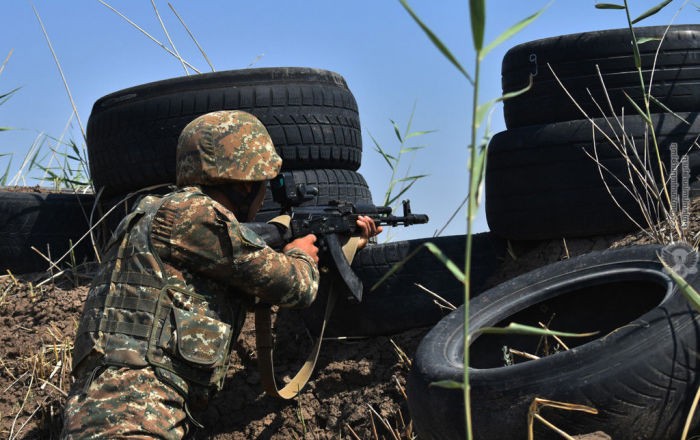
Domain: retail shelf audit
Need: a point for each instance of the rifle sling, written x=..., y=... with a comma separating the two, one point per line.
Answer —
x=264, y=342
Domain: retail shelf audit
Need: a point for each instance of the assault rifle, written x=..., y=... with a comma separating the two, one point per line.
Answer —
x=330, y=223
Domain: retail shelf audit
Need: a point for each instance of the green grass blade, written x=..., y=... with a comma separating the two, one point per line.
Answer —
x=387, y=157
x=6, y=174
x=397, y=130
x=448, y=384
x=416, y=177
x=517, y=93
x=33, y=161
x=652, y=11
x=51, y=174
x=479, y=171
x=395, y=268
x=477, y=13
x=418, y=133
x=666, y=109
x=411, y=149
x=647, y=39
x=410, y=118
x=608, y=6
x=686, y=289
x=75, y=149
x=483, y=109
x=520, y=329
x=6, y=96
x=397, y=196
x=449, y=264
x=436, y=41
x=76, y=182
x=638, y=109
x=637, y=57
x=508, y=33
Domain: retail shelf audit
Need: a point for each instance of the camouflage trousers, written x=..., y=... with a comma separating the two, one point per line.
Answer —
x=124, y=403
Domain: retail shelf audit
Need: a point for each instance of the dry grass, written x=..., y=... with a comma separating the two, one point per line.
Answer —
x=647, y=179
x=41, y=375
x=534, y=414
x=382, y=427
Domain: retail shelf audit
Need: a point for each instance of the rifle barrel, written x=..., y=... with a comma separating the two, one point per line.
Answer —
x=391, y=220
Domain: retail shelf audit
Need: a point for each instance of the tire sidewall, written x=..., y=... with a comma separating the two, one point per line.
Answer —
x=579, y=373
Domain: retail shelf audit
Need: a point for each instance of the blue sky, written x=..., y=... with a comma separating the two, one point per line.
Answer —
x=386, y=59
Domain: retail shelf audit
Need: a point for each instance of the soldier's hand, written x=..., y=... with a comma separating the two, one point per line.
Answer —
x=306, y=245
x=367, y=229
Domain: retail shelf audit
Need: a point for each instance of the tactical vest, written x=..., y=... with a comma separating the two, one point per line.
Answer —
x=136, y=315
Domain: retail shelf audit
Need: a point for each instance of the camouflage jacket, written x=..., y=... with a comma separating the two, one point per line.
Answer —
x=173, y=288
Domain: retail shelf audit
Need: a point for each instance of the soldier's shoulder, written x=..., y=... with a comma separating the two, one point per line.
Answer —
x=190, y=203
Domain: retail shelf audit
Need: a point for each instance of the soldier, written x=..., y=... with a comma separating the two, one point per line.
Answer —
x=175, y=284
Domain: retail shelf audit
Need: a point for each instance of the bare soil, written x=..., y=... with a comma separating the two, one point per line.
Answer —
x=354, y=378
x=357, y=391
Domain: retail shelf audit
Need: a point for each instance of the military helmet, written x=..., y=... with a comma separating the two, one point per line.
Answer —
x=225, y=146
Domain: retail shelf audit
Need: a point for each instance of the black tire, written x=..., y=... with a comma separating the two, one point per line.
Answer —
x=640, y=374
x=541, y=184
x=340, y=185
x=398, y=304
x=42, y=219
x=311, y=115
x=676, y=77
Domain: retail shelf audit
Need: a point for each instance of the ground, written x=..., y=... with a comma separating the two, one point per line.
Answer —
x=357, y=391
x=357, y=388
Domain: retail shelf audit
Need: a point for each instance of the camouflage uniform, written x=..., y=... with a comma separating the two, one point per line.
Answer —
x=170, y=297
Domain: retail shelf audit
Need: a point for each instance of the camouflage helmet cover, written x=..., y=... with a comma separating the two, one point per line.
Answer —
x=225, y=146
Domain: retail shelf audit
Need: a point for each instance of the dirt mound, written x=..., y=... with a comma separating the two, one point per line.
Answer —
x=357, y=388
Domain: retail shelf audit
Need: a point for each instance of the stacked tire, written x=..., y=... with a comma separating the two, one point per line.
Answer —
x=550, y=175
x=314, y=123
x=310, y=114
x=54, y=224
x=640, y=371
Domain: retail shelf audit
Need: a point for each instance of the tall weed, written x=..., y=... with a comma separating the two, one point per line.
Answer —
x=479, y=136
x=401, y=179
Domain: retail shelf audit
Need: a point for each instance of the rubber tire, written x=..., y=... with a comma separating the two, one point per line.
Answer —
x=42, y=219
x=640, y=375
x=540, y=183
x=338, y=185
x=398, y=304
x=310, y=114
x=676, y=77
